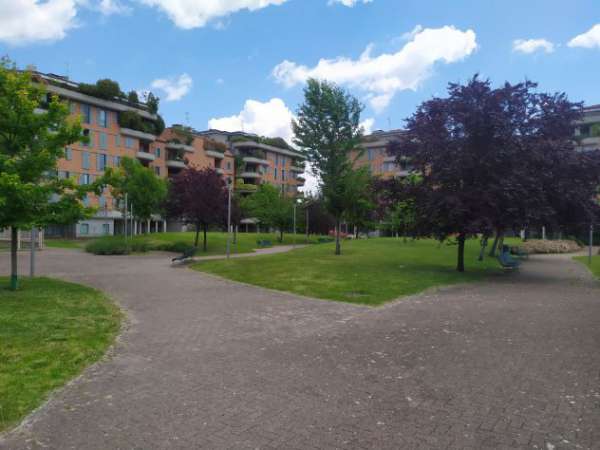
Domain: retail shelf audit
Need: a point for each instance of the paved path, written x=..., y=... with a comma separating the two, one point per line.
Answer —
x=206, y=363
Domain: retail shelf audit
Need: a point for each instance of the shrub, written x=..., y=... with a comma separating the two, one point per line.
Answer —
x=175, y=247
x=106, y=89
x=116, y=245
x=546, y=246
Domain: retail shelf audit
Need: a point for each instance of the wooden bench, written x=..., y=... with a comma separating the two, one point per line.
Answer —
x=264, y=243
x=187, y=254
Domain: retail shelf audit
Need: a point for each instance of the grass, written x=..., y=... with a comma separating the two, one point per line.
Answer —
x=594, y=267
x=65, y=243
x=176, y=242
x=369, y=272
x=49, y=331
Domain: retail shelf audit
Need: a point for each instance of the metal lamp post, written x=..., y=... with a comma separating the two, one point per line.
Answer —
x=229, y=188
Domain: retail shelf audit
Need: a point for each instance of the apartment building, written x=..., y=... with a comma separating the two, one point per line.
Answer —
x=115, y=129
x=261, y=160
x=375, y=155
x=588, y=130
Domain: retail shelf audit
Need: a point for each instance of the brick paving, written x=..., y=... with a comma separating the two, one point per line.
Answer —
x=205, y=363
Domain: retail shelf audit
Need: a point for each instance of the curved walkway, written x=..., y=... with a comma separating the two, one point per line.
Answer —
x=205, y=363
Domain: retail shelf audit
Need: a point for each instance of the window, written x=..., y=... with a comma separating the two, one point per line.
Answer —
x=102, y=118
x=228, y=165
x=86, y=113
x=283, y=174
x=101, y=161
x=84, y=179
x=157, y=170
x=64, y=174
x=117, y=140
x=283, y=161
x=90, y=135
x=276, y=161
x=84, y=228
x=388, y=166
x=72, y=107
x=116, y=161
x=103, y=141
x=275, y=173
x=129, y=142
x=85, y=160
x=68, y=154
x=102, y=201
x=371, y=154
x=157, y=152
x=105, y=228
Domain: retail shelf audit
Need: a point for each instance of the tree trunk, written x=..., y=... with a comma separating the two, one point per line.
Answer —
x=338, y=249
x=281, y=235
x=495, y=244
x=235, y=232
x=460, y=266
x=14, y=246
x=204, y=246
x=484, y=241
x=197, y=235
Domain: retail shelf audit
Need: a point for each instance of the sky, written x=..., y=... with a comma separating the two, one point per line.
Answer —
x=242, y=64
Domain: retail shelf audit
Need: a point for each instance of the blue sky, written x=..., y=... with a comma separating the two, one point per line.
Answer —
x=220, y=60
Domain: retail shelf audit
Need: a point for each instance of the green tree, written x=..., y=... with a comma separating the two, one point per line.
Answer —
x=358, y=199
x=132, y=97
x=152, y=101
x=327, y=131
x=145, y=190
x=270, y=207
x=31, y=143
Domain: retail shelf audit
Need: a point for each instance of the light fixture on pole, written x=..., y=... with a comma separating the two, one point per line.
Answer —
x=229, y=188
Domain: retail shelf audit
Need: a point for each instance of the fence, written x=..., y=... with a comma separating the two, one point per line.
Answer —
x=24, y=238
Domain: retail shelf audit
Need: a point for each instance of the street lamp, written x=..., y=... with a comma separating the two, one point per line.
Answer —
x=297, y=201
x=229, y=189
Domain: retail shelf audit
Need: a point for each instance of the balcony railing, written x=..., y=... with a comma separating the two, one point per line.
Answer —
x=215, y=154
x=176, y=164
x=146, y=156
x=179, y=147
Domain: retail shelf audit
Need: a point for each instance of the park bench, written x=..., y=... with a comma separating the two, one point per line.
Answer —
x=519, y=252
x=187, y=254
x=507, y=261
x=264, y=243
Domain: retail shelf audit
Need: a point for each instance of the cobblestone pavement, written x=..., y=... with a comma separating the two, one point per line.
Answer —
x=206, y=363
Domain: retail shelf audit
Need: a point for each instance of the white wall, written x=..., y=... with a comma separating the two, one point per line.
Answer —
x=95, y=227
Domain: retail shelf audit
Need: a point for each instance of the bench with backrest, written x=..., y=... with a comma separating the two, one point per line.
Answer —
x=506, y=260
x=187, y=254
x=264, y=243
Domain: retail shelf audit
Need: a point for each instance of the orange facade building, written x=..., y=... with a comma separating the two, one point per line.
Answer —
x=238, y=157
x=375, y=157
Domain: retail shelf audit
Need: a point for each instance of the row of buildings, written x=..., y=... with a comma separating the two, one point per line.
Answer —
x=117, y=128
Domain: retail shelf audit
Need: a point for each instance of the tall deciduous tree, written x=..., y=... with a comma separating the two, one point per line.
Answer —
x=31, y=143
x=199, y=198
x=270, y=207
x=145, y=190
x=497, y=159
x=327, y=131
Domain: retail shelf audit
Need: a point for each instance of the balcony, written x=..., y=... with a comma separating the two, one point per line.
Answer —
x=145, y=156
x=179, y=147
x=254, y=175
x=219, y=171
x=138, y=134
x=215, y=154
x=297, y=169
x=254, y=160
x=175, y=164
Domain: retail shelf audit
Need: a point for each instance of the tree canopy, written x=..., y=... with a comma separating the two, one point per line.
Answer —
x=146, y=192
x=32, y=141
x=199, y=198
x=497, y=159
x=270, y=207
x=327, y=131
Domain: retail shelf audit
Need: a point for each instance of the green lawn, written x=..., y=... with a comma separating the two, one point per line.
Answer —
x=217, y=241
x=65, y=243
x=595, y=267
x=49, y=331
x=369, y=271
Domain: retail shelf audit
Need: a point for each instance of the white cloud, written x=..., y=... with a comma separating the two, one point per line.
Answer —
x=174, y=88
x=349, y=3
x=109, y=7
x=528, y=46
x=28, y=21
x=272, y=119
x=589, y=39
x=367, y=125
x=381, y=77
x=189, y=14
